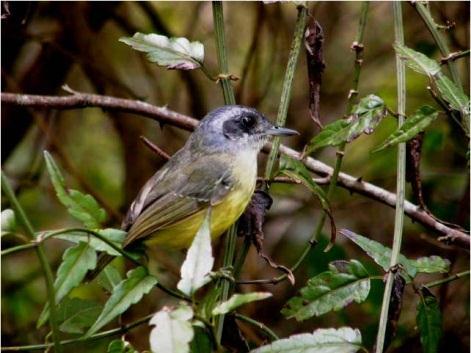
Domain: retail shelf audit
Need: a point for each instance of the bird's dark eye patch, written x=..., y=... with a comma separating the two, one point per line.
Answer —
x=248, y=122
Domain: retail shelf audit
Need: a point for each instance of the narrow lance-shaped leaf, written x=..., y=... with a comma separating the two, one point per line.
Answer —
x=365, y=117
x=341, y=340
x=173, y=331
x=81, y=206
x=344, y=283
x=173, y=53
x=411, y=127
x=431, y=264
x=429, y=321
x=296, y=170
x=109, y=278
x=75, y=315
x=378, y=252
x=76, y=262
x=199, y=259
x=128, y=292
x=455, y=97
x=417, y=61
x=237, y=300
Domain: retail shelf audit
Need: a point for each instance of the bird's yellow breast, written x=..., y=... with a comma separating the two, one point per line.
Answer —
x=181, y=234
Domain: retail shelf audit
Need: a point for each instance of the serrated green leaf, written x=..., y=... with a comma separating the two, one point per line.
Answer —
x=173, y=53
x=81, y=206
x=76, y=262
x=128, y=292
x=173, y=332
x=417, y=61
x=8, y=224
x=199, y=259
x=298, y=171
x=453, y=95
x=429, y=321
x=120, y=346
x=344, y=283
x=116, y=236
x=431, y=264
x=365, y=117
x=378, y=252
x=74, y=315
x=341, y=340
x=237, y=300
x=411, y=127
x=109, y=278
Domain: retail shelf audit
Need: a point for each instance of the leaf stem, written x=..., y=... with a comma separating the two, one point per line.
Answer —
x=265, y=329
x=401, y=164
x=426, y=16
x=17, y=248
x=10, y=195
x=447, y=279
x=229, y=98
x=97, y=336
x=358, y=47
x=287, y=84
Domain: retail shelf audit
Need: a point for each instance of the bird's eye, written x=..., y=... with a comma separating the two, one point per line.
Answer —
x=248, y=121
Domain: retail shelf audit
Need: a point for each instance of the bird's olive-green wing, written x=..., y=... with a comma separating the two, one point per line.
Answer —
x=179, y=192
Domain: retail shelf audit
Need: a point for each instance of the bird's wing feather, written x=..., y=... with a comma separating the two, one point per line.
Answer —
x=178, y=193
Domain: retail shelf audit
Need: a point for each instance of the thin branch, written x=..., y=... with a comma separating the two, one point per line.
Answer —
x=266, y=330
x=95, y=337
x=447, y=279
x=454, y=56
x=166, y=116
x=154, y=148
x=23, y=219
x=400, y=184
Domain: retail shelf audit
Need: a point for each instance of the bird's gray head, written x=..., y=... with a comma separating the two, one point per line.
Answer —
x=236, y=126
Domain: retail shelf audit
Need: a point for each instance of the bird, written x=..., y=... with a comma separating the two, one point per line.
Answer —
x=217, y=168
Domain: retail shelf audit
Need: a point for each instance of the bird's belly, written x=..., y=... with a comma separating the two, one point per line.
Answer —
x=225, y=213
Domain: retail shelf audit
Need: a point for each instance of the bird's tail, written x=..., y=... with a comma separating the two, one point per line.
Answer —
x=103, y=260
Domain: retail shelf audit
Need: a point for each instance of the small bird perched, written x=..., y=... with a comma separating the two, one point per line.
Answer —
x=217, y=168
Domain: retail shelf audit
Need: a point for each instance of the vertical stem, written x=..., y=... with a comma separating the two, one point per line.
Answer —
x=426, y=16
x=358, y=48
x=229, y=98
x=401, y=166
x=42, y=258
x=287, y=84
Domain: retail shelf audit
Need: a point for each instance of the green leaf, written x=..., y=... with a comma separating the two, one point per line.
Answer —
x=429, y=321
x=411, y=127
x=431, y=264
x=76, y=262
x=201, y=342
x=199, y=259
x=173, y=332
x=453, y=95
x=332, y=134
x=109, y=278
x=418, y=61
x=8, y=224
x=173, y=53
x=115, y=236
x=120, y=346
x=365, y=117
x=237, y=300
x=297, y=170
x=81, y=206
x=344, y=283
x=75, y=314
x=128, y=292
x=378, y=252
x=341, y=340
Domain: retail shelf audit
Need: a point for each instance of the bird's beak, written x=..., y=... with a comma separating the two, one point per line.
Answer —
x=280, y=131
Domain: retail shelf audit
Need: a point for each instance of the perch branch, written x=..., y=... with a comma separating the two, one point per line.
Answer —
x=166, y=116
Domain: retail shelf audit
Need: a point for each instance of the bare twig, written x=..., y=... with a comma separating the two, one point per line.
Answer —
x=154, y=148
x=166, y=116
